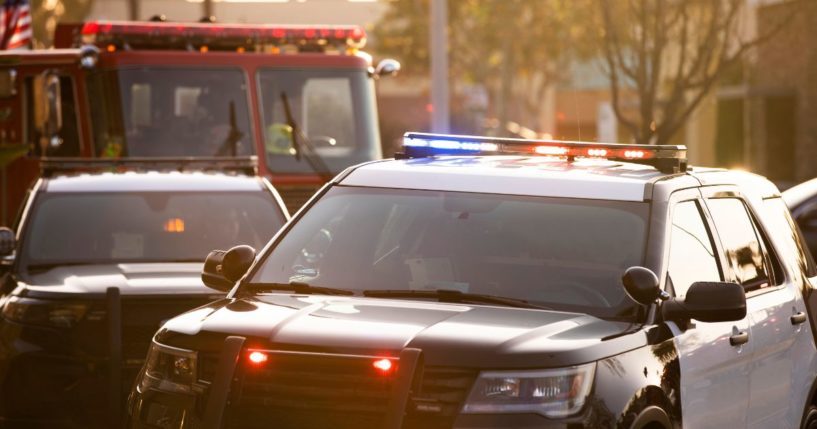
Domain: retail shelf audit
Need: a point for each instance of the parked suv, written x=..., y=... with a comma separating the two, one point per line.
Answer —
x=500, y=283
x=97, y=261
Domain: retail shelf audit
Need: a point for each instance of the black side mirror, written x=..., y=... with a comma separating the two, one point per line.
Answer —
x=223, y=268
x=642, y=286
x=708, y=302
x=808, y=219
x=8, y=241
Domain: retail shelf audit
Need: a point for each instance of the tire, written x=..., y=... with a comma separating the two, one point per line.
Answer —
x=810, y=418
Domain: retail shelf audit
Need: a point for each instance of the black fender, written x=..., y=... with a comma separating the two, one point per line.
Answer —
x=650, y=415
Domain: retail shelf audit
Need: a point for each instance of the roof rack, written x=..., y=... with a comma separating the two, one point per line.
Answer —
x=665, y=158
x=246, y=165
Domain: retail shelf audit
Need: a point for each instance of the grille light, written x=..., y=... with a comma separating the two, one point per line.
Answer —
x=257, y=358
x=383, y=365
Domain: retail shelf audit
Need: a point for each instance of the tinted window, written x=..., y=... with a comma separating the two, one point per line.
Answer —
x=692, y=258
x=741, y=242
x=789, y=234
x=565, y=253
x=145, y=227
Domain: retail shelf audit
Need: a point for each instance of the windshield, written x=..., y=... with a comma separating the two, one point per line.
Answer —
x=334, y=110
x=100, y=227
x=157, y=112
x=566, y=254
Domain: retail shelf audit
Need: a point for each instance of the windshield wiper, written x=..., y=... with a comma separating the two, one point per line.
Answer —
x=448, y=295
x=312, y=158
x=300, y=287
x=229, y=146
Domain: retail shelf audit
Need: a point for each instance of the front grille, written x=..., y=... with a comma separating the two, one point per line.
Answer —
x=296, y=196
x=320, y=391
x=142, y=317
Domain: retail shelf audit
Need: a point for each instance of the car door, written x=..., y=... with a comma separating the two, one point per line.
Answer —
x=715, y=358
x=776, y=315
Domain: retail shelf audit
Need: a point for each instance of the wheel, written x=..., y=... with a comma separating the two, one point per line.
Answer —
x=810, y=419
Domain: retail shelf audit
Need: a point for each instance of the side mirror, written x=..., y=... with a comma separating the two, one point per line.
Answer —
x=223, y=268
x=708, y=302
x=8, y=241
x=808, y=219
x=642, y=286
x=387, y=67
x=48, y=109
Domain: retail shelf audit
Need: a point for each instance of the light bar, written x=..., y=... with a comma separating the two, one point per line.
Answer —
x=666, y=158
x=164, y=35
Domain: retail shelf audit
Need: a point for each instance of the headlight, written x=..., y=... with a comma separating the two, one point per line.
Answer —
x=46, y=313
x=552, y=393
x=169, y=369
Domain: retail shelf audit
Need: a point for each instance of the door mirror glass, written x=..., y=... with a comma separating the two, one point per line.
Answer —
x=223, y=268
x=48, y=109
x=8, y=241
x=641, y=285
x=387, y=67
x=808, y=219
x=708, y=302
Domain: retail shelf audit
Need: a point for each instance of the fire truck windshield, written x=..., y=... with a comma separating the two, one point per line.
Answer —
x=154, y=111
x=333, y=109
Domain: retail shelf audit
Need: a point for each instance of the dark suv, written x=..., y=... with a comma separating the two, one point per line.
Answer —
x=501, y=283
x=97, y=262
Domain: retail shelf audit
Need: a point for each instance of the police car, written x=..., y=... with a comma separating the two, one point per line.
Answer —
x=501, y=283
x=102, y=254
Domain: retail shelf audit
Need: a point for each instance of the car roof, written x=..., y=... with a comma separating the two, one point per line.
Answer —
x=510, y=174
x=798, y=194
x=152, y=181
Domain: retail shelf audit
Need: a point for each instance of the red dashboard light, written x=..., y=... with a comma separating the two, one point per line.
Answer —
x=383, y=365
x=258, y=358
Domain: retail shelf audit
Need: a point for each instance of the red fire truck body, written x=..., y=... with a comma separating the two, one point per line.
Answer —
x=301, y=99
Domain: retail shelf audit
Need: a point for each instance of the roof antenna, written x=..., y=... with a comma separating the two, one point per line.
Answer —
x=578, y=115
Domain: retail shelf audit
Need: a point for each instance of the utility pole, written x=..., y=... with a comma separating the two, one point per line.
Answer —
x=439, y=66
x=133, y=10
x=208, y=8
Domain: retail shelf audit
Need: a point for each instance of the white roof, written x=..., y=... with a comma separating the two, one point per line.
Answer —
x=514, y=175
x=153, y=181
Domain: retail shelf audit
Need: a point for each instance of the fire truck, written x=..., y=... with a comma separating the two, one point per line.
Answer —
x=300, y=98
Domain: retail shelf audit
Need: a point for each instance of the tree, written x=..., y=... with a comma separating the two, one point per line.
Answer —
x=671, y=53
x=516, y=49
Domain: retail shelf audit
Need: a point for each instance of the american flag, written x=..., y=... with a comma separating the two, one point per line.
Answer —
x=15, y=24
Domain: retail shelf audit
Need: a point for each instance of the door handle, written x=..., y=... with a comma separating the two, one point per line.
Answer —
x=798, y=318
x=739, y=338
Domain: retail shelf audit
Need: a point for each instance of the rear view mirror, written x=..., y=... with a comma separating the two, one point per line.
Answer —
x=222, y=269
x=8, y=241
x=387, y=67
x=708, y=302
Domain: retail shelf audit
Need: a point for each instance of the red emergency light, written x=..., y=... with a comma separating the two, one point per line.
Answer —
x=174, y=35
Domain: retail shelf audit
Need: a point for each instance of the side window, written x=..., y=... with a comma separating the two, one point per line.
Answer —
x=68, y=134
x=692, y=256
x=790, y=235
x=741, y=242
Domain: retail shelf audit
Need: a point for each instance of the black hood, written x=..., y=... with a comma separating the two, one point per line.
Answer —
x=448, y=334
x=131, y=279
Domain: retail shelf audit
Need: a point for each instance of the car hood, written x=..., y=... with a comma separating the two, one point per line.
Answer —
x=131, y=279
x=449, y=334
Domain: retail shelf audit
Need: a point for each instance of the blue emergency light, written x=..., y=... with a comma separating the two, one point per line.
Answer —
x=666, y=158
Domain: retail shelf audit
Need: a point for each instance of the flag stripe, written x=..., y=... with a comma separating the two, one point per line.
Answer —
x=15, y=24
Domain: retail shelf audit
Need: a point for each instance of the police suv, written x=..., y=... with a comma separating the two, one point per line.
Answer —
x=501, y=283
x=102, y=254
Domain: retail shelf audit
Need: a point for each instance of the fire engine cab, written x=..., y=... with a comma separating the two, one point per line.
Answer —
x=301, y=98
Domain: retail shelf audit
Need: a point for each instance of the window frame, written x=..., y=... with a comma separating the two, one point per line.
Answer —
x=731, y=192
x=708, y=224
